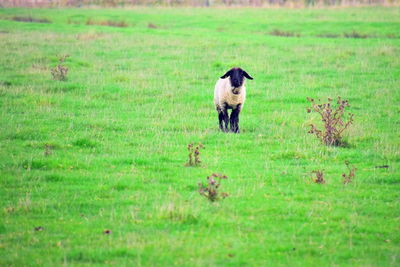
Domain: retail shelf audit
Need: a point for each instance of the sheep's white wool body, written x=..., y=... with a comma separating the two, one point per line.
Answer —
x=223, y=94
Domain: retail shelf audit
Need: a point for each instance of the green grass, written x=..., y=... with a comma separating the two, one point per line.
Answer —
x=118, y=128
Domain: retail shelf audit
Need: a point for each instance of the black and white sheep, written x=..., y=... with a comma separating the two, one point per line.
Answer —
x=230, y=94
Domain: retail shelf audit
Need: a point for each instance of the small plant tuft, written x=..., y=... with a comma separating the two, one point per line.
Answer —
x=194, y=154
x=110, y=23
x=391, y=36
x=348, y=178
x=151, y=26
x=328, y=35
x=334, y=126
x=320, y=176
x=211, y=190
x=356, y=35
x=60, y=71
x=48, y=149
x=283, y=33
x=29, y=19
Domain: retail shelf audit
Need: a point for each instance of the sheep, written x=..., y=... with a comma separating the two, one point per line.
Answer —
x=230, y=94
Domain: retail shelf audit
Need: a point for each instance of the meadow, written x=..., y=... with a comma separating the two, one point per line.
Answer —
x=92, y=169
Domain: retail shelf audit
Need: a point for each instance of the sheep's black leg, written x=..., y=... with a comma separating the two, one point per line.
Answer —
x=237, y=123
x=235, y=120
x=221, y=119
x=226, y=119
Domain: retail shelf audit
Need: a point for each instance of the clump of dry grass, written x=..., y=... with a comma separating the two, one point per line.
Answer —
x=89, y=36
x=60, y=71
x=391, y=36
x=178, y=211
x=328, y=35
x=48, y=149
x=30, y=19
x=277, y=32
x=357, y=35
x=121, y=24
x=320, y=176
x=152, y=26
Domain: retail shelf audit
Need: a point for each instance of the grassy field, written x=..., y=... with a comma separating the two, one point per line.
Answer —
x=106, y=149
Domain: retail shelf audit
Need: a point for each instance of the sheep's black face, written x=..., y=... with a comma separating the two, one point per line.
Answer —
x=236, y=76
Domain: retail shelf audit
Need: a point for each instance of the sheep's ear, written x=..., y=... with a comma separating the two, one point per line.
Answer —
x=227, y=74
x=245, y=74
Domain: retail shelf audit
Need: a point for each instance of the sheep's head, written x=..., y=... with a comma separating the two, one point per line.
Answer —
x=236, y=76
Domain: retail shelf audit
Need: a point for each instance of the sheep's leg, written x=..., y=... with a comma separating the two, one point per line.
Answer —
x=223, y=118
x=235, y=120
x=237, y=123
x=226, y=119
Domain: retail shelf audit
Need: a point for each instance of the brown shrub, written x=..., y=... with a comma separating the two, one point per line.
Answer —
x=332, y=118
x=211, y=190
x=320, y=176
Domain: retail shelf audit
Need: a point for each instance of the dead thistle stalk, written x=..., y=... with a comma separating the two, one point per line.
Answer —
x=194, y=151
x=60, y=71
x=320, y=176
x=211, y=189
x=348, y=178
x=332, y=119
